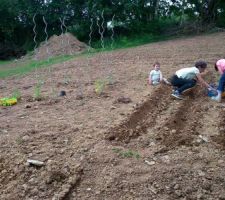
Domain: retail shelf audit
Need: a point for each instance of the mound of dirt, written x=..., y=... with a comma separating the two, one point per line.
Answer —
x=64, y=44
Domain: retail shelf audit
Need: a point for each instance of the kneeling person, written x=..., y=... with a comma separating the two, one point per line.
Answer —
x=187, y=78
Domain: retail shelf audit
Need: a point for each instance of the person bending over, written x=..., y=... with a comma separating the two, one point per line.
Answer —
x=186, y=78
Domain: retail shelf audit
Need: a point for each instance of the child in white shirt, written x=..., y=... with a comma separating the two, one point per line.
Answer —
x=155, y=76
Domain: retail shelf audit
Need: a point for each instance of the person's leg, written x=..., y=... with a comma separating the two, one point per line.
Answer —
x=221, y=83
x=186, y=85
x=182, y=84
x=175, y=81
x=220, y=89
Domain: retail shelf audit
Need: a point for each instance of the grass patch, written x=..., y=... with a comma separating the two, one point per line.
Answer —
x=126, y=154
x=126, y=42
x=12, y=68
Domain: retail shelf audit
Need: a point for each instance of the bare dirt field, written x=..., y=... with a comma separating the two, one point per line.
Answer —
x=99, y=147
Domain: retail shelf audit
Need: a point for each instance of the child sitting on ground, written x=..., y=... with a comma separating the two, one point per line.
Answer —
x=155, y=76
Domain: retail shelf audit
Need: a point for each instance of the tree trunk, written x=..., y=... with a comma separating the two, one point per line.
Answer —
x=210, y=11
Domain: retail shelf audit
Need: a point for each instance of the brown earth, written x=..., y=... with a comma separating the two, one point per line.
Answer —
x=64, y=44
x=97, y=147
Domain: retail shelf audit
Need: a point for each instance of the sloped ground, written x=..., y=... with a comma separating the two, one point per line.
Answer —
x=94, y=147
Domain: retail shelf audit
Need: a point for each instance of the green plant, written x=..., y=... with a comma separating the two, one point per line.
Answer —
x=37, y=91
x=99, y=86
x=16, y=94
x=126, y=154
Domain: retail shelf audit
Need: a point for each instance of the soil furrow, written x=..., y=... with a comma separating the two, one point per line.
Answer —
x=142, y=118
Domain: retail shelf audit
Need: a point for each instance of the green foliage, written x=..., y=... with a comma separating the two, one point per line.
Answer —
x=28, y=66
x=37, y=91
x=16, y=94
x=100, y=85
x=126, y=154
x=126, y=42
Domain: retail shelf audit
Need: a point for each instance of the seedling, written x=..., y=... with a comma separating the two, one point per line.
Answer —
x=126, y=154
x=99, y=86
x=110, y=80
x=37, y=91
x=16, y=94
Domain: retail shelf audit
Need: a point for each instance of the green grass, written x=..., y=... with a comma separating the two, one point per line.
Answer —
x=10, y=68
x=127, y=42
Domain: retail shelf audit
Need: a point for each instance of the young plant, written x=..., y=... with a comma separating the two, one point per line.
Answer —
x=126, y=154
x=99, y=86
x=37, y=92
x=16, y=94
x=110, y=80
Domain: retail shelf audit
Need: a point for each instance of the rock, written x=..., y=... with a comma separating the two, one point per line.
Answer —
x=4, y=131
x=203, y=138
x=173, y=131
x=176, y=187
x=220, y=161
x=88, y=189
x=200, y=196
x=178, y=193
x=165, y=159
x=152, y=144
x=27, y=106
x=201, y=173
x=166, y=128
x=150, y=163
x=124, y=100
x=25, y=138
x=79, y=97
x=112, y=107
x=35, y=162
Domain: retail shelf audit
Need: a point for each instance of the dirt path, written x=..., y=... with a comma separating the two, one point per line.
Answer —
x=94, y=147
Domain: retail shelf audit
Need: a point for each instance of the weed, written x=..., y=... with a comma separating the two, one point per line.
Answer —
x=126, y=154
x=117, y=150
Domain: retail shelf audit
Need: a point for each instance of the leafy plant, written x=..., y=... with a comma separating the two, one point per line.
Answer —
x=99, y=86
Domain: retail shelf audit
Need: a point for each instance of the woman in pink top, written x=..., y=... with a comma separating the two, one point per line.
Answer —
x=220, y=66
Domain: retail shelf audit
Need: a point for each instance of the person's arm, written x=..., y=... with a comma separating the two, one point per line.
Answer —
x=149, y=78
x=204, y=73
x=160, y=76
x=202, y=81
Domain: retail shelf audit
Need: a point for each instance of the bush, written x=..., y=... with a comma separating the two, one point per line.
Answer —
x=9, y=51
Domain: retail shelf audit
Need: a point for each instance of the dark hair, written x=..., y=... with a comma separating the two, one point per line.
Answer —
x=201, y=64
x=156, y=63
x=215, y=66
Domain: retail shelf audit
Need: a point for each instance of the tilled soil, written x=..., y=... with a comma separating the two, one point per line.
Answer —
x=96, y=147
